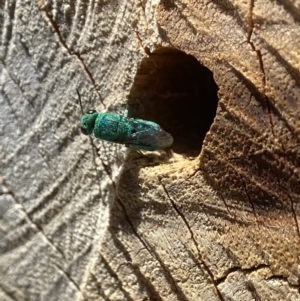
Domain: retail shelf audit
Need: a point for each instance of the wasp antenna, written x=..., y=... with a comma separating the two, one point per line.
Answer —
x=79, y=98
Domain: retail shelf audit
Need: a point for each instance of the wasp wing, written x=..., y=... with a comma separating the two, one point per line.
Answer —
x=149, y=139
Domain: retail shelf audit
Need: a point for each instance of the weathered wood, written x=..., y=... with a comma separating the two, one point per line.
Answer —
x=216, y=218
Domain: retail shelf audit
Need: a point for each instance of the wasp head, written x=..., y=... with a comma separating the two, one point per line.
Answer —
x=88, y=121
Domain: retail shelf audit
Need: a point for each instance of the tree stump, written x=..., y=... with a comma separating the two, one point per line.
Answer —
x=216, y=216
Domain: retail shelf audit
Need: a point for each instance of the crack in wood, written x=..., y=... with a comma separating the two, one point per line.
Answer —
x=292, y=207
x=249, y=199
x=245, y=271
x=37, y=226
x=205, y=266
x=175, y=287
x=99, y=287
x=294, y=214
x=49, y=241
x=142, y=280
x=261, y=64
x=227, y=207
x=16, y=83
x=150, y=249
x=55, y=27
x=114, y=275
x=68, y=276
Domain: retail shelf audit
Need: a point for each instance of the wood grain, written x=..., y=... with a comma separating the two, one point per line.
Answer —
x=216, y=217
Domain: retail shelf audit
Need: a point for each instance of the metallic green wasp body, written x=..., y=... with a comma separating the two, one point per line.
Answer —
x=134, y=133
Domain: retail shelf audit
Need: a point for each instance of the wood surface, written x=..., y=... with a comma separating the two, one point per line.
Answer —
x=216, y=217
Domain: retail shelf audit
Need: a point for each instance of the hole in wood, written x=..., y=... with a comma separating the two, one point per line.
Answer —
x=174, y=90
